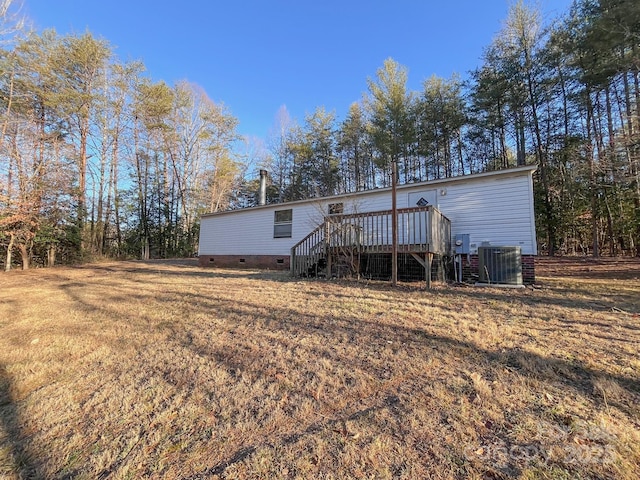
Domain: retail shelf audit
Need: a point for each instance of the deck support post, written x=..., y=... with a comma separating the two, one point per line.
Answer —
x=429, y=261
x=426, y=264
x=327, y=247
x=394, y=223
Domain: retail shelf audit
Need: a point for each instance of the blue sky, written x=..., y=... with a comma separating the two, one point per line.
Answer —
x=255, y=56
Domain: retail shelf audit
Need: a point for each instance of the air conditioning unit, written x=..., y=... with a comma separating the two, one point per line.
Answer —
x=502, y=265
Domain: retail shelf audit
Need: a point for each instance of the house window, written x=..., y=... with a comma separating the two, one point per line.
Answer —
x=336, y=208
x=282, y=223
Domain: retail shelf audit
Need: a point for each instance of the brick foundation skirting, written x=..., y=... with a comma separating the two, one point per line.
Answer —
x=528, y=269
x=271, y=262
x=470, y=263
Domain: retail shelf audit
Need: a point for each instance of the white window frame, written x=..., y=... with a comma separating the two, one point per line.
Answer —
x=283, y=228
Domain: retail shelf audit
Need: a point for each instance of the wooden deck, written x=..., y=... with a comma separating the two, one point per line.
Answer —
x=421, y=231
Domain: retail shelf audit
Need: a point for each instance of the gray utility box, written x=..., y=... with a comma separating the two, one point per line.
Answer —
x=500, y=265
x=462, y=244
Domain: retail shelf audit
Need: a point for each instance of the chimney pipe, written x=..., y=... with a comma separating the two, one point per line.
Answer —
x=262, y=193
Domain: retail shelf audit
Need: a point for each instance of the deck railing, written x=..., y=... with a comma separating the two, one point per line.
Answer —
x=308, y=252
x=420, y=230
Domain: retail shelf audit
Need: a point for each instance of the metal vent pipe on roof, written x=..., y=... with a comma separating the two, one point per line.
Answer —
x=262, y=193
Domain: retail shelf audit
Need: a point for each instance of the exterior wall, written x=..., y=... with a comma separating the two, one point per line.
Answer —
x=269, y=262
x=250, y=231
x=498, y=211
x=494, y=207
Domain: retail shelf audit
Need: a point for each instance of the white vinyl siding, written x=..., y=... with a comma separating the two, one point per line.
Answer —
x=498, y=211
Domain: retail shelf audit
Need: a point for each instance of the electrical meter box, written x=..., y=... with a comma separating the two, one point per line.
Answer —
x=462, y=244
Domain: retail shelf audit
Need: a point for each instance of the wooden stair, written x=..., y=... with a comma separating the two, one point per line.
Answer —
x=333, y=246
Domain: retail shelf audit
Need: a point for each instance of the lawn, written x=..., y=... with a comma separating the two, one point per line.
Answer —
x=164, y=370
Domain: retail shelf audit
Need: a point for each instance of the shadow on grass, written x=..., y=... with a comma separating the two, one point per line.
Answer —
x=16, y=443
x=557, y=297
x=289, y=327
x=155, y=267
x=582, y=299
x=336, y=424
x=293, y=322
x=561, y=297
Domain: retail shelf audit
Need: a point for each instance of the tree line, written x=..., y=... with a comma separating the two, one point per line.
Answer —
x=97, y=159
x=564, y=95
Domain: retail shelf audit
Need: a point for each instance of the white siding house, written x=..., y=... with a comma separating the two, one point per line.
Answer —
x=494, y=207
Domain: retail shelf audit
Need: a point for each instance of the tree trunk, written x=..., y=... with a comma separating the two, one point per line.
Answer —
x=9, y=257
x=636, y=155
x=592, y=180
x=51, y=255
x=460, y=153
x=82, y=187
x=610, y=229
x=542, y=160
x=520, y=141
x=610, y=130
x=98, y=235
x=24, y=254
x=145, y=248
x=116, y=207
x=503, y=140
x=565, y=106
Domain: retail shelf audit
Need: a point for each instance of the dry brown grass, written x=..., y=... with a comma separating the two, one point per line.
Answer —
x=153, y=370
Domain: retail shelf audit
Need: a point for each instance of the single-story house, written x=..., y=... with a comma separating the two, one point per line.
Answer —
x=484, y=209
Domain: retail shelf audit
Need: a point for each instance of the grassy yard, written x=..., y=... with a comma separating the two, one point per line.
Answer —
x=159, y=370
